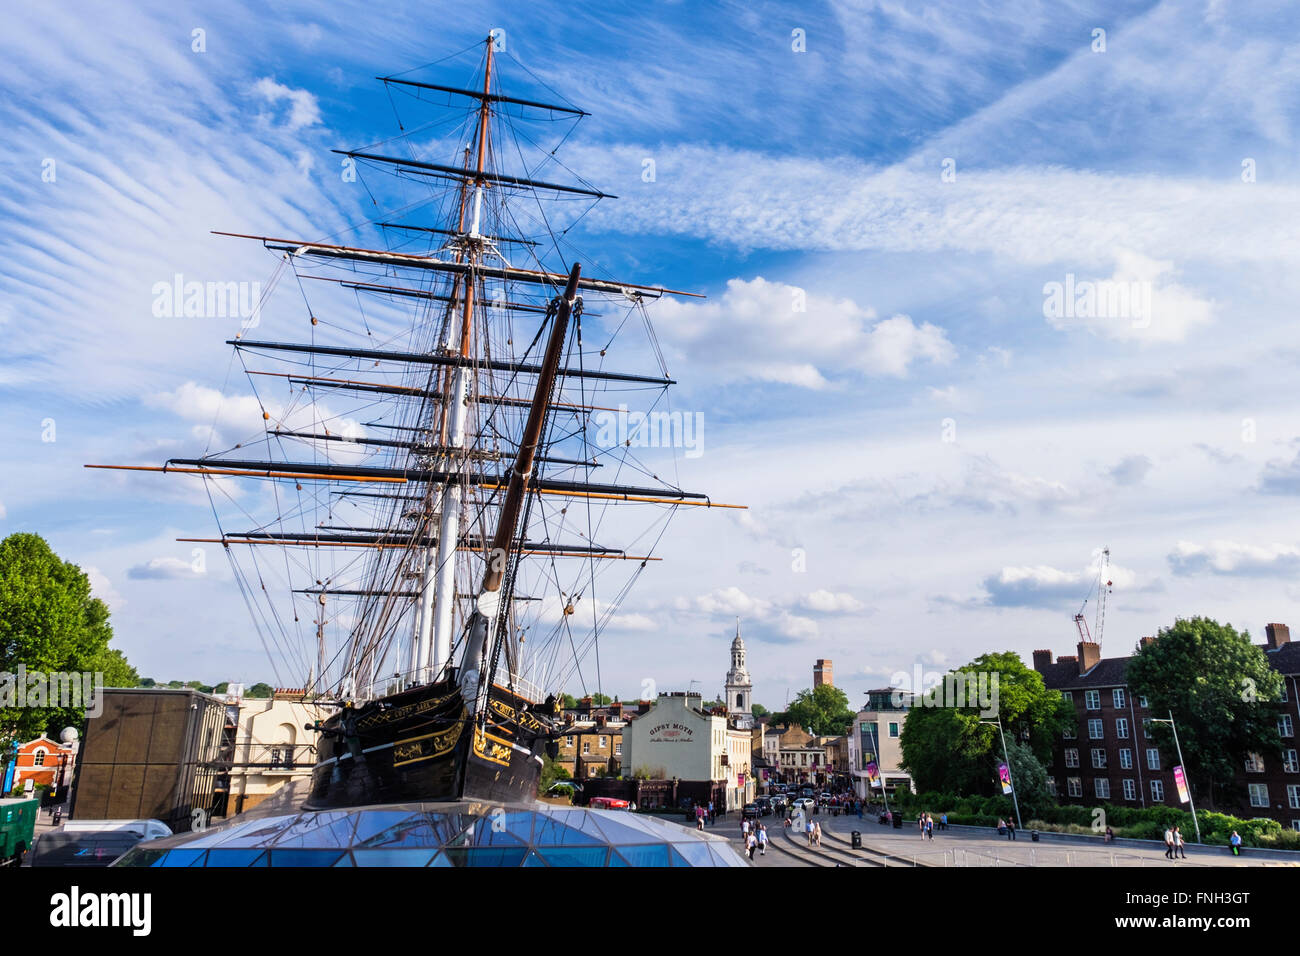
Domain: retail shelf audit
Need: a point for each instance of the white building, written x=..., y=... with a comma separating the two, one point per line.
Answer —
x=677, y=738
x=740, y=689
x=876, y=738
x=271, y=747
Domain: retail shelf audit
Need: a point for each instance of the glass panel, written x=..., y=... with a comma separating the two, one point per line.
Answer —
x=304, y=857
x=183, y=857
x=141, y=858
x=324, y=829
x=676, y=858
x=394, y=856
x=237, y=857
x=548, y=832
x=534, y=860
x=653, y=854
x=371, y=823
x=484, y=856
x=576, y=856
x=696, y=854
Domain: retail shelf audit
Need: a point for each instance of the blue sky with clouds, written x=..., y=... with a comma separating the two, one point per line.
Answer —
x=946, y=456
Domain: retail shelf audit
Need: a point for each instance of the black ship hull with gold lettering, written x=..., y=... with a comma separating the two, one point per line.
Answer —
x=421, y=745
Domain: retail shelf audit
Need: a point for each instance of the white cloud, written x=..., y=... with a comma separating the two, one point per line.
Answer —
x=774, y=332
x=303, y=108
x=102, y=588
x=773, y=621
x=161, y=569
x=1234, y=558
x=828, y=602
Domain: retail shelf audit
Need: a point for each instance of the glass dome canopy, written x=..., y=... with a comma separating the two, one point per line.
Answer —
x=442, y=834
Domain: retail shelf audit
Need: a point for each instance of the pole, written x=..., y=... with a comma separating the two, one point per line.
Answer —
x=1190, y=799
x=1007, y=757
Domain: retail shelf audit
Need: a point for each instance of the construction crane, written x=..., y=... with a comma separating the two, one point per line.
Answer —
x=1102, y=586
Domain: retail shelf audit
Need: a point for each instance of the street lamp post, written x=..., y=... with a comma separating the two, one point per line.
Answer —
x=1007, y=757
x=1190, y=799
x=875, y=742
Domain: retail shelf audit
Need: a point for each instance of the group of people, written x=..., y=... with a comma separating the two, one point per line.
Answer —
x=925, y=823
x=755, y=836
x=1174, y=844
x=1007, y=828
x=704, y=814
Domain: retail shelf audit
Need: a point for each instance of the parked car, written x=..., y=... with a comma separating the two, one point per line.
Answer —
x=764, y=805
x=750, y=811
x=805, y=804
x=608, y=803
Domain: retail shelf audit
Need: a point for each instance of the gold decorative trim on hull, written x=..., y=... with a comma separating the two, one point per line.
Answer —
x=414, y=749
x=408, y=710
x=491, y=748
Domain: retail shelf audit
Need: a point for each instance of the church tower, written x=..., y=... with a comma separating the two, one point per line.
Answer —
x=740, y=691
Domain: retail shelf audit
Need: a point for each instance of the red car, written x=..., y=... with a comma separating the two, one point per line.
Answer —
x=608, y=803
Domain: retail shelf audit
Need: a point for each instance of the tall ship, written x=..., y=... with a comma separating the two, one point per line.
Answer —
x=448, y=498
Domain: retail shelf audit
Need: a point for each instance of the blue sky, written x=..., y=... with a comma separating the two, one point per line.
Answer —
x=1172, y=439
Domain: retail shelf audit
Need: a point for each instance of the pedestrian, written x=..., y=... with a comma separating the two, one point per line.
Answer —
x=929, y=827
x=699, y=818
x=817, y=834
x=810, y=831
x=762, y=839
x=920, y=823
x=744, y=827
x=1169, y=843
x=943, y=821
x=711, y=815
x=751, y=844
x=1235, y=841
x=1178, y=843
x=632, y=806
x=1002, y=827
x=1011, y=829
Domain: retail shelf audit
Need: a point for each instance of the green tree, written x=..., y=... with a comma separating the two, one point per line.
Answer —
x=259, y=691
x=1222, y=694
x=50, y=622
x=1029, y=777
x=601, y=699
x=823, y=711
x=947, y=748
x=758, y=710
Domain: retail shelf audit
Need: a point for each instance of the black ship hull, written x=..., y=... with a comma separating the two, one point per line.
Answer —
x=422, y=745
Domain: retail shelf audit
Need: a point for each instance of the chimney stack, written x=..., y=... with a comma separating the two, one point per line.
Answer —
x=1042, y=661
x=1089, y=655
x=1148, y=641
x=1278, y=634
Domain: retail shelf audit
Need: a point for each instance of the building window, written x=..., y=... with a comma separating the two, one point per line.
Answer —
x=1051, y=786
x=1283, y=698
x=586, y=746
x=1068, y=696
x=604, y=742
x=1117, y=695
x=1130, y=789
x=1146, y=726
x=1153, y=758
x=1098, y=757
x=39, y=760
x=1254, y=764
x=1258, y=794
x=568, y=741
x=1295, y=824
x=1142, y=701
x=1293, y=795
x=1121, y=728
x=893, y=728
x=1291, y=764
x=1092, y=699
x=1157, y=791
x=1284, y=726
x=1126, y=759
x=1072, y=756
x=1076, y=786
x=618, y=748
x=1070, y=733
x=1101, y=787
x=1095, y=731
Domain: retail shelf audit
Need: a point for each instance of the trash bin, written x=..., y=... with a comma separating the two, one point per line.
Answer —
x=857, y=840
x=898, y=821
x=1033, y=835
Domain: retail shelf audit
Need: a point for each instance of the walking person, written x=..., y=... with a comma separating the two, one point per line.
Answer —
x=1002, y=827
x=1178, y=843
x=1235, y=842
x=1169, y=843
x=711, y=814
x=810, y=826
x=744, y=827
x=751, y=844
x=1011, y=829
x=817, y=834
x=762, y=840
x=699, y=818
x=943, y=821
x=929, y=827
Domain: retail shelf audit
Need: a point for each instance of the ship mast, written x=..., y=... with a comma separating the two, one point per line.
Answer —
x=444, y=561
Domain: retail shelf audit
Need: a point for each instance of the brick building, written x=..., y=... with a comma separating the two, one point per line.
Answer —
x=1111, y=757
